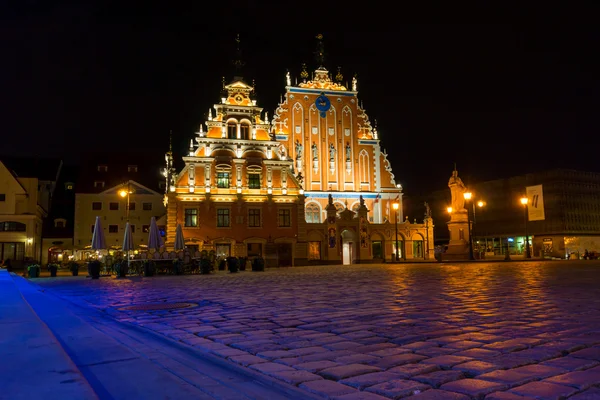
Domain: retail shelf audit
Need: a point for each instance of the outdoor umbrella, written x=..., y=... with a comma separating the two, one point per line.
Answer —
x=154, y=240
x=128, y=242
x=179, y=240
x=98, y=239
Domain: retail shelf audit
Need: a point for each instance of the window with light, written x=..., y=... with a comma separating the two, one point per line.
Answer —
x=231, y=131
x=245, y=131
x=254, y=181
x=223, y=179
x=191, y=217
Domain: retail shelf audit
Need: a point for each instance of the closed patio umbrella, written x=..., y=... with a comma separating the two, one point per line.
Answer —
x=154, y=240
x=98, y=239
x=128, y=242
x=179, y=240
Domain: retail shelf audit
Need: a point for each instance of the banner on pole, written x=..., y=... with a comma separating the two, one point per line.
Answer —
x=535, y=207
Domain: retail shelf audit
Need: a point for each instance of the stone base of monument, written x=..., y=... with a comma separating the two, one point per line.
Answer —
x=457, y=252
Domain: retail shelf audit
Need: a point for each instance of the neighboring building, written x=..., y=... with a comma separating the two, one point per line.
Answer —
x=26, y=189
x=571, y=224
x=313, y=185
x=98, y=194
x=57, y=231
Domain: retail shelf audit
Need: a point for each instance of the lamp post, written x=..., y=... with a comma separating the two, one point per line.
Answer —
x=468, y=196
x=525, y=201
x=395, y=206
x=126, y=193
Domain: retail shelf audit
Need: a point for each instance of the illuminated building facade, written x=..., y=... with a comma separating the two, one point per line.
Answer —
x=312, y=185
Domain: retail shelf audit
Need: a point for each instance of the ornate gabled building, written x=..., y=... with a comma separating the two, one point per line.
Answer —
x=311, y=185
x=237, y=194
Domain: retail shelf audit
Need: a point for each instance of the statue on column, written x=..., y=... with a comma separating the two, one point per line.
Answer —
x=348, y=151
x=457, y=189
x=331, y=152
x=315, y=151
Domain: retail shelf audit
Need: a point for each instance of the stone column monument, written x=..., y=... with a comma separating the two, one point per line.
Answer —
x=458, y=248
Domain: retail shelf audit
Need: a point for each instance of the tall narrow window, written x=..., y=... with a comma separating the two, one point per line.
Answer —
x=284, y=218
x=191, y=217
x=223, y=179
x=254, y=218
x=363, y=165
x=223, y=217
x=231, y=130
x=245, y=131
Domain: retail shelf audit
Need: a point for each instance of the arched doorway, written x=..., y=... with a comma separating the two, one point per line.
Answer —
x=348, y=246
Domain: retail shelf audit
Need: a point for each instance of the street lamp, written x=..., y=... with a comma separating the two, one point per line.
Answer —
x=125, y=193
x=468, y=196
x=395, y=206
x=525, y=201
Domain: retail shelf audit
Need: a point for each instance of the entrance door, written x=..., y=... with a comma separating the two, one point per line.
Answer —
x=418, y=249
x=223, y=250
x=377, y=249
x=284, y=254
x=347, y=253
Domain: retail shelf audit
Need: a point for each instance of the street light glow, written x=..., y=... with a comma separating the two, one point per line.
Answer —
x=395, y=206
x=480, y=203
x=468, y=195
x=449, y=209
x=524, y=200
x=123, y=193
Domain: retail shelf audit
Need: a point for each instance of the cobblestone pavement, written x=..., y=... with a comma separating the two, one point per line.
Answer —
x=430, y=331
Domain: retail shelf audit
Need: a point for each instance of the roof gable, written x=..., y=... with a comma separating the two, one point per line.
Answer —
x=134, y=187
x=19, y=189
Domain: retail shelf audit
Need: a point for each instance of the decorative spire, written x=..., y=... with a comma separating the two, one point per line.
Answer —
x=238, y=63
x=339, y=77
x=223, y=83
x=304, y=73
x=320, y=52
x=170, y=142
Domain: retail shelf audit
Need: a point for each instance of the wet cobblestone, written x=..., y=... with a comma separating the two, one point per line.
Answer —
x=466, y=330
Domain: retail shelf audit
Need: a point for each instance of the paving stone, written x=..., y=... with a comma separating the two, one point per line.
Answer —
x=435, y=351
x=274, y=354
x=591, y=353
x=327, y=388
x=590, y=394
x=390, y=351
x=315, y=366
x=578, y=379
x=375, y=347
x=463, y=345
x=360, y=396
x=394, y=361
x=419, y=345
x=438, y=378
x=306, y=350
x=446, y=362
x=356, y=359
x=326, y=355
x=571, y=363
x=544, y=390
x=295, y=377
x=539, y=371
x=477, y=353
x=397, y=388
x=505, y=396
x=436, y=394
x=475, y=388
x=363, y=381
x=344, y=345
x=408, y=370
x=248, y=359
x=346, y=371
x=269, y=367
x=474, y=368
x=507, y=361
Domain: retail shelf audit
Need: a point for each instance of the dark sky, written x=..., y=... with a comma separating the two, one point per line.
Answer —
x=498, y=100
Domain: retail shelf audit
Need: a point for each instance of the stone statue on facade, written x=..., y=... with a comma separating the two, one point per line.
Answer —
x=427, y=211
x=299, y=148
x=331, y=152
x=362, y=201
x=314, y=151
x=348, y=151
x=288, y=79
x=457, y=189
x=330, y=199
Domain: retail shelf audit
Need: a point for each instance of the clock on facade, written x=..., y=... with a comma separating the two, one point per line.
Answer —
x=323, y=104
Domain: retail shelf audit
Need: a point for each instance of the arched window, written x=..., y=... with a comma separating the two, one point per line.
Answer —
x=12, y=226
x=231, y=130
x=245, y=131
x=312, y=213
x=339, y=207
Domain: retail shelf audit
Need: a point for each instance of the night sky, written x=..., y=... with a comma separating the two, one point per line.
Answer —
x=498, y=100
